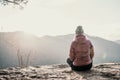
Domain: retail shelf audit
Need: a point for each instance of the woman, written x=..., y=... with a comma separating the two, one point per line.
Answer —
x=81, y=52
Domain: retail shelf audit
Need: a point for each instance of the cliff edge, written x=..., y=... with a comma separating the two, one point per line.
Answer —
x=106, y=71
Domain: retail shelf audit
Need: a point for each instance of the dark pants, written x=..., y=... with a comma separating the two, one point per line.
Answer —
x=79, y=68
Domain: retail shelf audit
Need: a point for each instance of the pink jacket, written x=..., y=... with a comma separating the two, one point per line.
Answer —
x=80, y=51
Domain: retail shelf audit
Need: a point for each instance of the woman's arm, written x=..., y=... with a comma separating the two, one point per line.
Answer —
x=92, y=52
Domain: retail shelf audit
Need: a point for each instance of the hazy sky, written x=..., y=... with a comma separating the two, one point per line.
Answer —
x=60, y=17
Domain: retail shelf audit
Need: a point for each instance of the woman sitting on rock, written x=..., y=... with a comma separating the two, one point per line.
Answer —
x=81, y=52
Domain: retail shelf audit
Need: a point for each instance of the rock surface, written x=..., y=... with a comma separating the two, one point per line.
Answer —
x=107, y=71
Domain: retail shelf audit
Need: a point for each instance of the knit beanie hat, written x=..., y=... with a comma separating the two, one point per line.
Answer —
x=79, y=30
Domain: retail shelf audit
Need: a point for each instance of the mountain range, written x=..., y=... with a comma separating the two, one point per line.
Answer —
x=118, y=41
x=48, y=50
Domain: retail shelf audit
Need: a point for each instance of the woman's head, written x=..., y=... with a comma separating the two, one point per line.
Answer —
x=79, y=30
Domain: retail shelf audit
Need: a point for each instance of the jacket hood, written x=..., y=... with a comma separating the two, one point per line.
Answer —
x=80, y=38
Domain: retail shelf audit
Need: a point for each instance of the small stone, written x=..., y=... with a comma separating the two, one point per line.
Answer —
x=33, y=76
x=37, y=66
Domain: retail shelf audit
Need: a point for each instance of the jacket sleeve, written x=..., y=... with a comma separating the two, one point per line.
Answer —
x=91, y=51
x=72, y=53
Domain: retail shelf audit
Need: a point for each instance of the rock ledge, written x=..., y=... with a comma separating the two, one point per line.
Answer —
x=106, y=71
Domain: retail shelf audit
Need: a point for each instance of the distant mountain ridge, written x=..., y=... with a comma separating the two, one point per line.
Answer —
x=118, y=41
x=49, y=49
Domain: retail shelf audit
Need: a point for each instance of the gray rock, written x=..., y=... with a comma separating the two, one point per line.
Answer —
x=4, y=72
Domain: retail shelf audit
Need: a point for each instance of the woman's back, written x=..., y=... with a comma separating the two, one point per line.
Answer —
x=81, y=50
